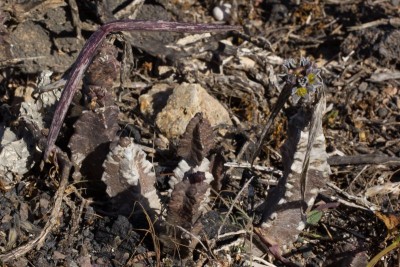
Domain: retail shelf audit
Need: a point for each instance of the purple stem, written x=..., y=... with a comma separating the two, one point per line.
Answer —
x=89, y=50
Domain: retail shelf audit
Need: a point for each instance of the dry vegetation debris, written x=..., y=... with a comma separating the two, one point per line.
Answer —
x=193, y=150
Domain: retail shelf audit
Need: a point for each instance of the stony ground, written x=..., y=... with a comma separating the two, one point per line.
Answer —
x=153, y=163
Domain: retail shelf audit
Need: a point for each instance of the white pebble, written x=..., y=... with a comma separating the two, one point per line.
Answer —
x=222, y=12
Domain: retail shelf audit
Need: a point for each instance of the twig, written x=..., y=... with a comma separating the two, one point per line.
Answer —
x=395, y=22
x=360, y=200
x=363, y=159
x=54, y=216
x=256, y=167
x=153, y=233
x=347, y=203
x=141, y=257
x=264, y=262
x=239, y=241
x=75, y=18
x=239, y=232
x=7, y=62
x=89, y=50
x=356, y=177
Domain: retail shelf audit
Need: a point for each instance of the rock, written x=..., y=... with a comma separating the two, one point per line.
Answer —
x=185, y=101
x=222, y=12
x=155, y=100
x=382, y=112
x=30, y=40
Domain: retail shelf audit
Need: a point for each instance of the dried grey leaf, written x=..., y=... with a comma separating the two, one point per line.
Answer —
x=197, y=140
x=7, y=136
x=350, y=253
x=12, y=238
x=129, y=176
x=359, y=260
x=384, y=189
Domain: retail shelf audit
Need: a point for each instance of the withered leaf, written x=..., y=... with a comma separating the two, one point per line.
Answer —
x=89, y=145
x=129, y=177
x=197, y=140
x=186, y=206
x=104, y=68
x=391, y=220
x=101, y=75
x=217, y=169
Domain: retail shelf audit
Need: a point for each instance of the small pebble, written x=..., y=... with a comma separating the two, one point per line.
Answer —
x=363, y=86
x=382, y=112
x=222, y=12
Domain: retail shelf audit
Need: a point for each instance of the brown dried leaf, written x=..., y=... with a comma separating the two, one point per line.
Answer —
x=217, y=169
x=104, y=68
x=390, y=220
x=94, y=131
x=186, y=206
x=129, y=177
x=197, y=140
